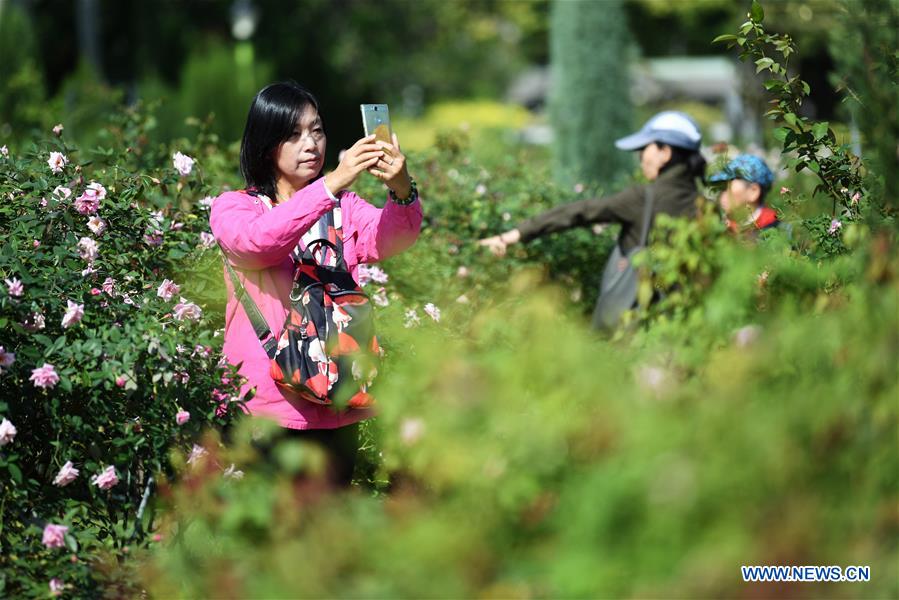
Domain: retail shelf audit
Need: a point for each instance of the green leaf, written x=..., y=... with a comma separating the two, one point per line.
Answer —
x=15, y=472
x=763, y=63
x=727, y=37
x=756, y=13
x=790, y=118
x=819, y=130
x=814, y=166
x=781, y=133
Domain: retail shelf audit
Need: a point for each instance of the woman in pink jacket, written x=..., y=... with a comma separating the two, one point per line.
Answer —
x=281, y=157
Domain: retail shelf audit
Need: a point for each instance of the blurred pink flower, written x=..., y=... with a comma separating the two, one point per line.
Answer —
x=411, y=430
x=380, y=297
x=855, y=198
x=96, y=291
x=784, y=190
x=57, y=162
x=34, y=322
x=88, y=249
x=182, y=163
x=578, y=188
x=74, y=313
x=56, y=586
x=462, y=272
x=97, y=225
x=121, y=381
x=87, y=203
x=7, y=432
x=746, y=336
x=67, y=474
x=4, y=151
x=57, y=129
x=154, y=239
x=106, y=479
x=480, y=189
x=411, y=318
x=6, y=358
x=182, y=417
x=167, y=289
x=187, y=310
x=232, y=473
x=835, y=226
x=207, y=202
x=196, y=454
x=44, y=377
x=432, y=311
x=36, y=244
x=54, y=535
x=207, y=240
x=14, y=287
x=369, y=273
x=108, y=284
x=62, y=192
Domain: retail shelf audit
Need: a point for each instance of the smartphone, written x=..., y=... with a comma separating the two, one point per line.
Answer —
x=376, y=120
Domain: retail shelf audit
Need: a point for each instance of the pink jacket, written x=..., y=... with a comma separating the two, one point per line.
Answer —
x=258, y=242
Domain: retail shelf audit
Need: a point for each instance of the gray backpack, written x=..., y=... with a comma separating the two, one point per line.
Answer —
x=618, y=288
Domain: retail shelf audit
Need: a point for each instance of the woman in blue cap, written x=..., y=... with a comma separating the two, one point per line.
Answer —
x=669, y=156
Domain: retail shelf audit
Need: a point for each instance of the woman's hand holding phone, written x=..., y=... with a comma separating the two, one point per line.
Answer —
x=361, y=156
x=391, y=169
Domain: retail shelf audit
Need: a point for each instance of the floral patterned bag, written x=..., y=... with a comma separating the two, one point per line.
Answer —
x=327, y=350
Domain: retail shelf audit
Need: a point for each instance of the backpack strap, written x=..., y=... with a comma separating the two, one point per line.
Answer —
x=263, y=333
x=648, y=201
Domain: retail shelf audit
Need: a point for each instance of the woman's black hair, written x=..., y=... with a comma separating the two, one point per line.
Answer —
x=272, y=119
x=691, y=158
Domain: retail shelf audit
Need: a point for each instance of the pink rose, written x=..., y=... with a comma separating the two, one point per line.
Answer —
x=412, y=318
x=108, y=285
x=121, y=381
x=182, y=163
x=855, y=198
x=182, y=417
x=96, y=225
x=411, y=430
x=57, y=162
x=432, y=311
x=89, y=202
x=34, y=322
x=56, y=585
x=380, y=297
x=74, y=313
x=54, y=535
x=14, y=287
x=187, y=310
x=167, y=289
x=44, y=377
x=67, y=474
x=207, y=240
x=154, y=238
x=62, y=193
x=7, y=432
x=784, y=190
x=36, y=244
x=6, y=358
x=197, y=453
x=106, y=479
x=835, y=226
x=4, y=151
x=57, y=129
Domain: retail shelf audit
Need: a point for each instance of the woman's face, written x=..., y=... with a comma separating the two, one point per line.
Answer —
x=301, y=157
x=652, y=158
x=740, y=195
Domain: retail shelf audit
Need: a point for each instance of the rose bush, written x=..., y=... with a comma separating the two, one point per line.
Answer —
x=109, y=354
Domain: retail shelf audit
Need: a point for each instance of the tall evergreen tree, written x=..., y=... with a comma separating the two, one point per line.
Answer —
x=589, y=100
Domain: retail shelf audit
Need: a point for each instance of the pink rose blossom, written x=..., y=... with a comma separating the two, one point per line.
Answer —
x=56, y=585
x=187, y=310
x=167, y=289
x=154, y=238
x=578, y=188
x=380, y=297
x=36, y=244
x=96, y=225
x=88, y=249
x=74, y=313
x=432, y=311
x=108, y=285
x=196, y=454
x=835, y=226
x=784, y=190
x=87, y=203
x=462, y=272
x=207, y=202
x=182, y=376
x=7, y=432
x=855, y=198
x=106, y=479
x=57, y=129
x=182, y=163
x=207, y=240
x=463, y=299
x=6, y=359
x=176, y=226
x=4, y=151
x=88, y=270
x=747, y=336
x=44, y=377
x=121, y=381
x=43, y=203
x=62, y=192
x=182, y=417
x=14, y=287
x=57, y=162
x=54, y=535
x=480, y=189
x=368, y=273
x=96, y=291
x=67, y=474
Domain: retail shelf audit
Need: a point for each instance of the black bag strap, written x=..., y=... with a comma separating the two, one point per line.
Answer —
x=648, y=201
x=266, y=338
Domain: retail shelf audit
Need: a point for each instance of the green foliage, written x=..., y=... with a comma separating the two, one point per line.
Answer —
x=83, y=297
x=589, y=98
x=23, y=86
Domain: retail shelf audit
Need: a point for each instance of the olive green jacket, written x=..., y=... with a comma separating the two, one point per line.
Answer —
x=675, y=194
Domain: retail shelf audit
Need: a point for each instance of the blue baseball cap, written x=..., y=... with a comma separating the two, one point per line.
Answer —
x=668, y=127
x=748, y=168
